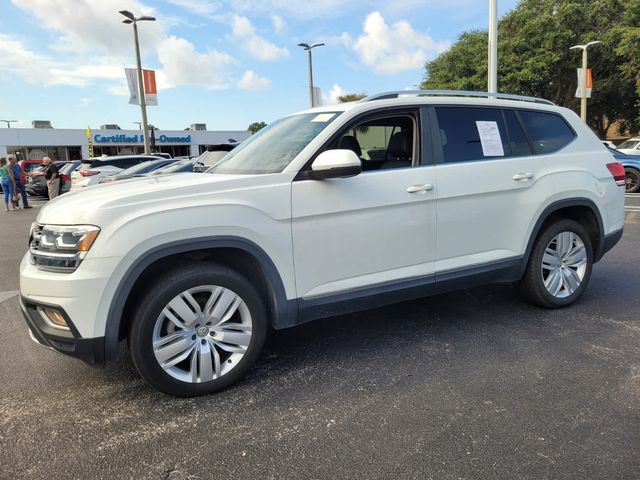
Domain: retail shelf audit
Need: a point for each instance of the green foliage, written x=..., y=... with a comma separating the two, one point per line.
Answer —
x=534, y=57
x=351, y=97
x=256, y=126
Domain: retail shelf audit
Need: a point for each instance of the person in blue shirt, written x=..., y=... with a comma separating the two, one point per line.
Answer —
x=19, y=186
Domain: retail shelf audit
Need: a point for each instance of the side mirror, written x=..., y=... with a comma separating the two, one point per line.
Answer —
x=199, y=167
x=335, y=164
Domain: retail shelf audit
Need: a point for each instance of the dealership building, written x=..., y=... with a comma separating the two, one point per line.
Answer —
x=73, y=144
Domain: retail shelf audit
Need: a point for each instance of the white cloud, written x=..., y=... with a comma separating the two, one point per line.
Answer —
x=251, y=81
x=331, y=97
x=85, y=26
x=199, y=7
x=394, y=49
x=254, y=44
x=278, y=23
x=183, y=65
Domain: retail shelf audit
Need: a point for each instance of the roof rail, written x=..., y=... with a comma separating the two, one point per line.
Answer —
x=455, y=93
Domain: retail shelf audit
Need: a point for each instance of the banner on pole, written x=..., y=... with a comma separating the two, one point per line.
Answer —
x=90, y=143
x=150, y=91
x=589, y=83
x=149, y=81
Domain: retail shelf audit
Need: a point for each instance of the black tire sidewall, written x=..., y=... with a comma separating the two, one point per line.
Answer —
x=158, y=296
x=637, y=174
x=546, y=298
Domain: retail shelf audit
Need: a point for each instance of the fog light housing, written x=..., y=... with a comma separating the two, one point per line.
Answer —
x=54, y=318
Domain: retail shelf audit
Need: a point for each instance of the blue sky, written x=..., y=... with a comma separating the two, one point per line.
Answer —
x=225, y=63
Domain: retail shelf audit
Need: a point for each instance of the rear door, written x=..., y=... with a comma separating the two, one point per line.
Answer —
x=490, y=186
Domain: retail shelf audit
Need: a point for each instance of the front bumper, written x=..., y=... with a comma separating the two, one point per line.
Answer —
x=91, y=350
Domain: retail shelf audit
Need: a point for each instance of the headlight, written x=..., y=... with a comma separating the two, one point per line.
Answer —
x=61, y=248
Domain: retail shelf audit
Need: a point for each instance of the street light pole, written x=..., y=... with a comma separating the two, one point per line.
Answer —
x=583, y=92
x=139, y=125
x=143, y=104
x=492, y=74
x=308, y=48
x=9, y=122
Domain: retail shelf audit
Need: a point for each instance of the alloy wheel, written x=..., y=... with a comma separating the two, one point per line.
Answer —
x=202, y=334
x=564, y=264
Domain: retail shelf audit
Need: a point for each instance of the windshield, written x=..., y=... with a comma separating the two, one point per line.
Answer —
x=274, y=147
x=629, y=144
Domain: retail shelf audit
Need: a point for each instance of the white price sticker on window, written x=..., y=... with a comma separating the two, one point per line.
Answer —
x=323, y=117
x=490, y=139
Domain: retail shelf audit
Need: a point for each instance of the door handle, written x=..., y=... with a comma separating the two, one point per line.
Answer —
x=425, y=187
x=521, y=177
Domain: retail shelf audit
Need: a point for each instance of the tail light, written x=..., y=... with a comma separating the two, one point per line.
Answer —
x=617, y=172
x=89, y=173
x=66, y=178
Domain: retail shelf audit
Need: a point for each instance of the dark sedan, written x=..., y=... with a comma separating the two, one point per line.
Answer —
x=136, y=170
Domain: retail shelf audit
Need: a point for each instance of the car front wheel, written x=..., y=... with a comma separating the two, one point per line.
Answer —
x=197, y=330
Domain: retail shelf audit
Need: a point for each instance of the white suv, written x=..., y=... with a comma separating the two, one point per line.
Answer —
x=328, y=211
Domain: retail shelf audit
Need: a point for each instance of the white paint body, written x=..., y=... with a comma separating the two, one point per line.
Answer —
x=330, y=236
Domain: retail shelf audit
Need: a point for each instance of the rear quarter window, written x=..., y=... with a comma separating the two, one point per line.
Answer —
x=548, y=132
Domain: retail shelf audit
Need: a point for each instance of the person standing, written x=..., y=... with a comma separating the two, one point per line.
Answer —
x=6, y=179
x=52, y=176
x=18, y=184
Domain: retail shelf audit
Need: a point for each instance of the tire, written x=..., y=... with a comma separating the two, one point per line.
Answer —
x=185, y=313
x=633, y=180
x=563, y=277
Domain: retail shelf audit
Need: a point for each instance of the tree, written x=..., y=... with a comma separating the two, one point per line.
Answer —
x=351, y=97
x=256, y=127
x=534, y=57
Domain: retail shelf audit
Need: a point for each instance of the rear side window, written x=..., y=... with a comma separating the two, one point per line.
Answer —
x=548, y=132
x=471, y=133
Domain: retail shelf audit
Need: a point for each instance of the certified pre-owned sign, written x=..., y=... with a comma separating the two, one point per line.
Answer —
x=138, y=139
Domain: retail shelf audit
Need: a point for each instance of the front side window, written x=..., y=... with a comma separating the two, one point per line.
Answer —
x=548, y=131
x=472, y=133
x=274, y=147
x=381, y=143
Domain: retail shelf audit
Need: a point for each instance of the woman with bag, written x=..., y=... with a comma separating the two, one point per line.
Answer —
x=8, y=184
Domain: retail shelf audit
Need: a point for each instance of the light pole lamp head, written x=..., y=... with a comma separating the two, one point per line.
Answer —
x=146, y=18
x=127, y=14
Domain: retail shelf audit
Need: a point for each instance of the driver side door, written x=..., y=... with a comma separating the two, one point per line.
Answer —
x=374, y=233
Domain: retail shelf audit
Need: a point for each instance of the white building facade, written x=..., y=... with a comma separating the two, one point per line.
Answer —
x=73, y=144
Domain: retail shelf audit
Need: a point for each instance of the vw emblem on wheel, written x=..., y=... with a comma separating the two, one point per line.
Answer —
x=202, y=331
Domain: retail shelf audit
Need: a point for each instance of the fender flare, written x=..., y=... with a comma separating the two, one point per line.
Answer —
x=559, y=205
x=285, y=311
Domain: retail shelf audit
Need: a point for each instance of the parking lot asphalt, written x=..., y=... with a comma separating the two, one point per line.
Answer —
x=473, y=385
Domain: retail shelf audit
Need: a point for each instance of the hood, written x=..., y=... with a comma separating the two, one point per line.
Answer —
x=92, y=204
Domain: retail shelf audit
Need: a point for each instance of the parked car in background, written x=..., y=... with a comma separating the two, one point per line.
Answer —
x=37, y=184
x=631, y=164
x=93, y=169
x=630, y=147
x=202, y=162
x=140, y=169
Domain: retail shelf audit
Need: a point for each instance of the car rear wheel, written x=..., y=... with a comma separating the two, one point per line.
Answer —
x=559, y=266
x=197, y=330
x=633, y=180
